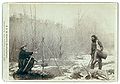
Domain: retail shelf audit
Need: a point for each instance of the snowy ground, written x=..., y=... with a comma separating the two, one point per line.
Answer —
x=68, y=67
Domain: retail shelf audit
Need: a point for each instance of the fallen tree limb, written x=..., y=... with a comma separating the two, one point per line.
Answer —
x=97, y=74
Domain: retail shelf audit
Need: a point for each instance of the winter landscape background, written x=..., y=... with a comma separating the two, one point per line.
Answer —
x=66, y=29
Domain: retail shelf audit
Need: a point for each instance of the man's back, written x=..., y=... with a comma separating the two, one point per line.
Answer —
x=23, y=54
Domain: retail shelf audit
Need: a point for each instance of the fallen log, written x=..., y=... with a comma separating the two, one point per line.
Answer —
x=76, y=75
x=95, y=74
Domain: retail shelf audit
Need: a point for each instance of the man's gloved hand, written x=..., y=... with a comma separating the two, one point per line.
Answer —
x=92, y=56
x=90, y=53
x=35, y=52
x=35, y=60
x=101, y=48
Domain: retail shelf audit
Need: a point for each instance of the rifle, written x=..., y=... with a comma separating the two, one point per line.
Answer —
x=27, y=64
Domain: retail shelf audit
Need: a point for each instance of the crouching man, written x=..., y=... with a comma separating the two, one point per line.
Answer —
x=25, y=61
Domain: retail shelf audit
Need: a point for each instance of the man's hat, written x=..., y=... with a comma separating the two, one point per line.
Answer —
x=94, y=36
x=23, y=46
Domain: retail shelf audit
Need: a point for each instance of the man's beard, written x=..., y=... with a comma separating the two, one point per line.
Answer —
x=93, y=40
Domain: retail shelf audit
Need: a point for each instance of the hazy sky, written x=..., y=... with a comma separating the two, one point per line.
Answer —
x=104, y=14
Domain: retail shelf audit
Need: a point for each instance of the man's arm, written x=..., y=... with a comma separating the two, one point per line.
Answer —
x=100, y=44
x=28, y=54
x=91, y=50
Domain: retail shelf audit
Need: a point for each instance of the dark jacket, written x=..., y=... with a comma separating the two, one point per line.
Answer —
x=23, y=54
x=94, y=46
x=23, y=60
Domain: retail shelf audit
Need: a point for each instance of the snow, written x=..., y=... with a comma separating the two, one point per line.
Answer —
x=74, y=65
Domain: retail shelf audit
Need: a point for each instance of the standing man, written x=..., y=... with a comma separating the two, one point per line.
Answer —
x=24, y=58
x=94, y=52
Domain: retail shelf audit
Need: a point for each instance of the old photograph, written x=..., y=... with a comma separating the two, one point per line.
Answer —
x=60, y=41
